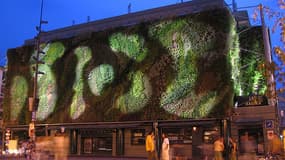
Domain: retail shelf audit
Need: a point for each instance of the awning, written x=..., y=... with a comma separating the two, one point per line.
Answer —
x=192, y=122
x=125, y=124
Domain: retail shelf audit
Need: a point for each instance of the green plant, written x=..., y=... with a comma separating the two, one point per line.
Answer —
x=132, y=46
x=100, y=77
x=19, y=96
x=78, y=105
x=137, y=96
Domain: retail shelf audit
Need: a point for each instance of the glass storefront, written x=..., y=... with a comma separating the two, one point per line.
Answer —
x=96, y=141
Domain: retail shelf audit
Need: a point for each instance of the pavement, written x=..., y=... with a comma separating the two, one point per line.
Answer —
x=73, y=158
x=103, y=158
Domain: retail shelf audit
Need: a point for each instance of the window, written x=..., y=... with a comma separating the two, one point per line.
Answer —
x=87, y=145
x=96, y=141
x=102, y=145
x=178, y=135
x=138, y=136
x=209, y=136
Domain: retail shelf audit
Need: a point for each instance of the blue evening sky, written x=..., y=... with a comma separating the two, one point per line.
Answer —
x=19, y=18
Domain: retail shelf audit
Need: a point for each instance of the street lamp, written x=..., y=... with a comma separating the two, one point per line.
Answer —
x=34, y=100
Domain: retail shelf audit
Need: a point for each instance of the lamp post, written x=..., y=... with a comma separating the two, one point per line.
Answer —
x=34, y=100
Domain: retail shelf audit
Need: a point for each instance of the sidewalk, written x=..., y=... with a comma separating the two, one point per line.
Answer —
x=75, y=158
x=103, y=158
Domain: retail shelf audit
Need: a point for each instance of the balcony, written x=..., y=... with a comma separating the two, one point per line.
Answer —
x=254, y=113
x=253, y=109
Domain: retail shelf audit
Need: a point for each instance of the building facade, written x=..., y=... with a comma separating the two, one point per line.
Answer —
x=107, y=83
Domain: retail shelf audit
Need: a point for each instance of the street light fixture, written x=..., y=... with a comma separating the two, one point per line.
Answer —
x=34, y=100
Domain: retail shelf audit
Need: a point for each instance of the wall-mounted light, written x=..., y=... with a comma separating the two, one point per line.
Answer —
x=194, y=128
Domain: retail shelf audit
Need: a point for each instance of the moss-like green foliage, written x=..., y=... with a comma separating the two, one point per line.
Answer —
x=234, y=59
x=188, y=41
x=252, y=57
x=19, y=92
x=183, y=35
x=18, y=68
x=184, y=39
x=77, y=107
x=53, y=51
x=47, y=89
x=176, y=68
x=100, y=77
x=205, y=105
x=131, y=45
x=138, y=95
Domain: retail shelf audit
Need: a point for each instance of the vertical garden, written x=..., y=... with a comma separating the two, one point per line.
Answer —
x=178, y=68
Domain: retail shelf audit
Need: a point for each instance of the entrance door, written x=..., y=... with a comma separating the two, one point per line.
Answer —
x=251, y=140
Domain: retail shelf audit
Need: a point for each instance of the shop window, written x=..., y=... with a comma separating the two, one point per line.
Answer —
x=138, y=136
x=97, y=145
x=102, y=145
x=87, y=145
x=209, y=136
x=96, y=141
x=178, y=135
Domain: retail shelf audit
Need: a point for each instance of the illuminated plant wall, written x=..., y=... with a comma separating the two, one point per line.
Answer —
x=252, y=62
x=168, y=69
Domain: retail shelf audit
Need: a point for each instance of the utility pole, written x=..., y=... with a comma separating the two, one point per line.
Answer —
x=34, y=100
x=129, y=8
x=234, y=6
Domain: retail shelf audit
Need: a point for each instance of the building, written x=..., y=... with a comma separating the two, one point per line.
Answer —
x=255, y=117
x=2, y=84
x=107, y=83
x=281, y=109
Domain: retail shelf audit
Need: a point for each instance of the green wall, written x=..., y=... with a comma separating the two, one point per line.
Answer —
x=169, y=69
x=253, y=79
